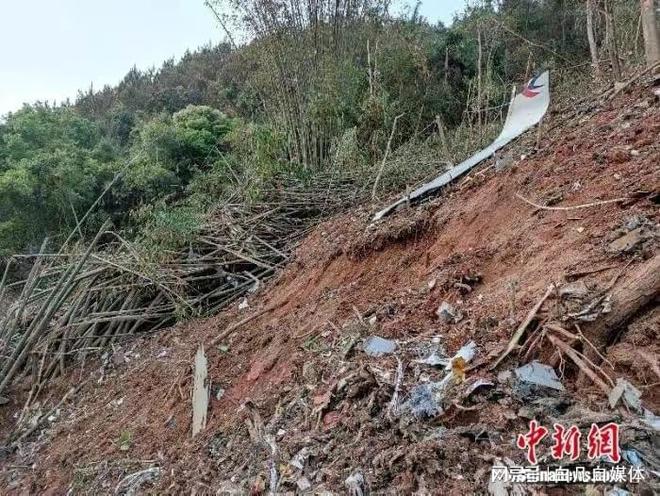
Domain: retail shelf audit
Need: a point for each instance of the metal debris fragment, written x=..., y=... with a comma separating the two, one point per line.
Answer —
x=300, y=459
x=574, y=290
x=447, y=313
x=422, y=401
x=524, y=112
x=651, y=419
x=617, y=491
x=356, y=484
x=634, y=221
x=632, y=457
x=593, y=309
x=434, y=360
x=539, y=374
x=130, y=485
x=376, y=346
x=466, y=353
x=426, y=400
x=631, y=395
x=479, y=383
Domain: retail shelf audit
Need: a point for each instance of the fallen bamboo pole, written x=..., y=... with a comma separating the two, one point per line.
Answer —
x=513, y=342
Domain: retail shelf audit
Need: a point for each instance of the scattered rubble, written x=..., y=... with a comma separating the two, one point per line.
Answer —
x=131, y=484
x=355, y=485
x=628, y=242
x=422, y=400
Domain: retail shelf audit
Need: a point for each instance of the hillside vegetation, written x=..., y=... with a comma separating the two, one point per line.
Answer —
x=313, y=88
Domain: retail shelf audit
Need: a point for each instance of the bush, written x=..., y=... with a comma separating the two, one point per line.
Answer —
x=167, y=228
x=169, y=151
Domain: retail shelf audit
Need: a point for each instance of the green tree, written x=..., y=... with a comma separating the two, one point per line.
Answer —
x=53, y=165
x=169, y=151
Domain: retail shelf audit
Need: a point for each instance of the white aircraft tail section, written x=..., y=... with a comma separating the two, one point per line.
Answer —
x=526, y=110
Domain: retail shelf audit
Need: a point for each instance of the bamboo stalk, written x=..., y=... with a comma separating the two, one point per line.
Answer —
x=49, y=307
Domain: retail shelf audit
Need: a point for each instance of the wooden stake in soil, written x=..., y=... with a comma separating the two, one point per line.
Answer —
x=200, y=396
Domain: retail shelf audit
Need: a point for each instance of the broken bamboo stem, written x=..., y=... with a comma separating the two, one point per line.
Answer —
x=229, y=330
x=513, y=342
x=574, y=207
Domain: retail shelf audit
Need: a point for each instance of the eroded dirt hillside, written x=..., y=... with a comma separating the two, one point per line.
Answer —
x=295, y=398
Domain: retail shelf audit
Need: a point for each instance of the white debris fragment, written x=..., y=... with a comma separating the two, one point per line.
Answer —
x=467, y=353
x=631, y=395
x=539, y=374
x=478, y=384
x=448, y=313
x=300, y=459
x=377, y=346
x=434, y=359
x=200, y=396
x=355, y=484
x=303, y=484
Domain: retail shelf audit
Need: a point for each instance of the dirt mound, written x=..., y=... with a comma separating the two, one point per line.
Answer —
x=294, y=398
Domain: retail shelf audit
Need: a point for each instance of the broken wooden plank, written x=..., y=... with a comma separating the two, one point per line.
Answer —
x=200, y=396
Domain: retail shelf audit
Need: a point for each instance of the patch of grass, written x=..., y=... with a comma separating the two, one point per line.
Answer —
x=125, y=440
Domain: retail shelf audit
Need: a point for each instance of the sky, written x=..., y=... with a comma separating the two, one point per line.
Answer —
x=52, y=49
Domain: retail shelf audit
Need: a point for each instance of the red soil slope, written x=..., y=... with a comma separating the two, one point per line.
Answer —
x=298, y=374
